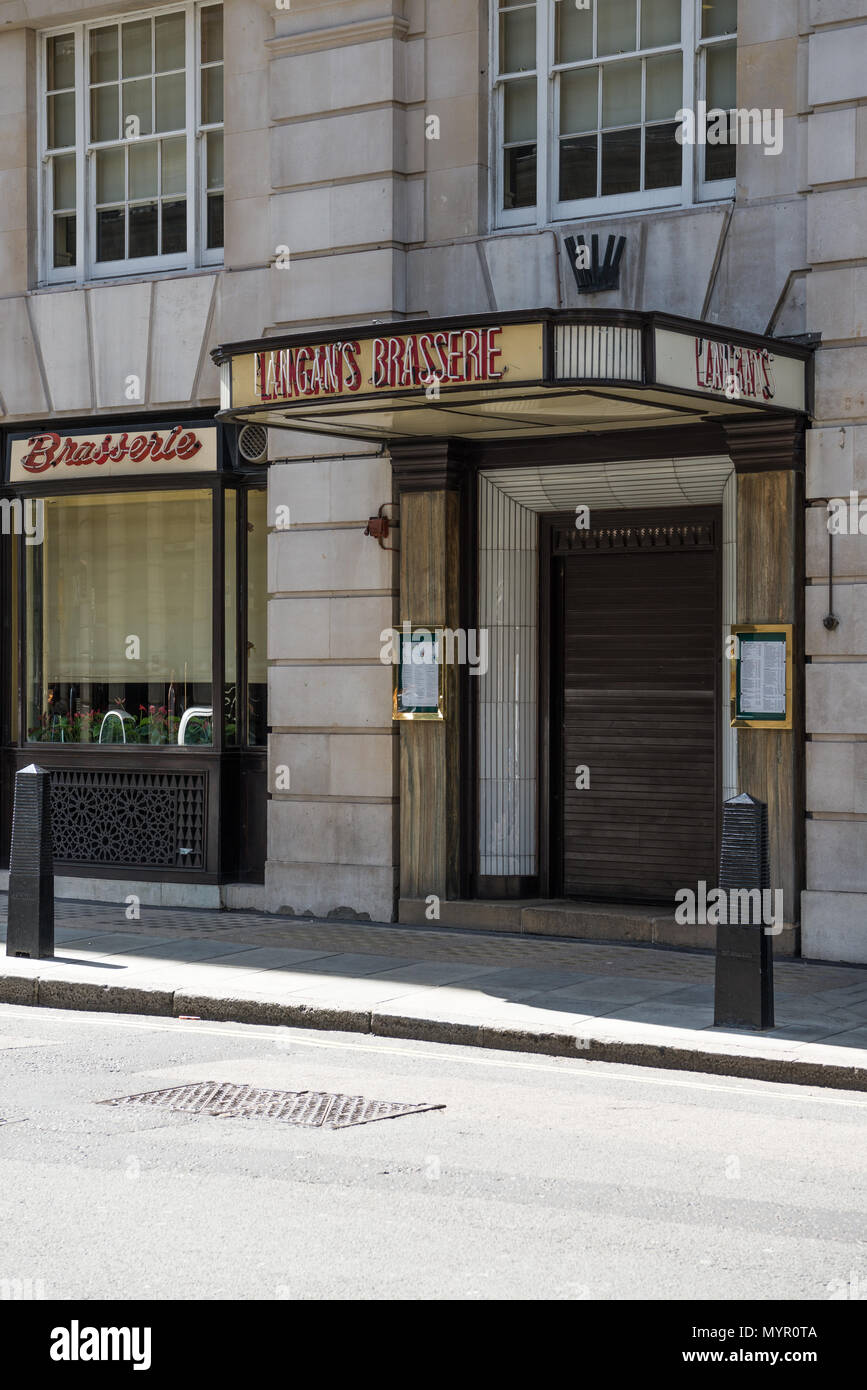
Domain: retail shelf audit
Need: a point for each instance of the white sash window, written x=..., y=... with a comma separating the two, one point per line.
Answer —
x=586, y=100
x=131, y=135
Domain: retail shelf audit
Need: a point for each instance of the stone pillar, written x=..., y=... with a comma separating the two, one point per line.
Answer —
x=769, y=460
x=430, y=477
x=332, y=811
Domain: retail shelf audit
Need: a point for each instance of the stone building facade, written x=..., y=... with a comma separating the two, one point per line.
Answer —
x=376, y=163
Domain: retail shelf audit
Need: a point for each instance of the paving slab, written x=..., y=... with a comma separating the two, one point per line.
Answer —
x=601, y=1002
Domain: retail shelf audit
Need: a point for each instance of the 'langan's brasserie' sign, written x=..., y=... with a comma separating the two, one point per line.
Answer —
x=51, y=455
x=392, y=363
x=734, y=369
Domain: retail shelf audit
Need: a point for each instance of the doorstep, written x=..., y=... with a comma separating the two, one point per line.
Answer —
x=627, y=923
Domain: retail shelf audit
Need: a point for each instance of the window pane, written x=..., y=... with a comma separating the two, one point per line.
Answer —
x=215, y=158
x=664, y=86
x=579, y=100
x=110, y=176
x=109, y=235
x=174, y=173
x=578, y=167
x=136, y=40
x=718, y=17
x=171, y=108
x=722, y=76
x=110, y=565
x=518, y=40
x=720, y=161
x=660, y=22
x=103, y=114
x=174, y=228
x=169, y=37
x=215, y=221
x=212, y=34
x=621, y=162
x=143, y=170
x=621, y=93
x=663, y=157
x=137, y=102
x=61, y=121
x=64, y=181
x=520, y=109
x=64, y=240
x=257, y=617
x=61, y=61
x=574, y=36
x=519, y=182
x=103, y=54
x=143, y=230
x=212, y=95
x=616, y=26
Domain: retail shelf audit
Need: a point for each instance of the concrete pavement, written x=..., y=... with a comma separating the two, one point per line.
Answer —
x=600, y=1002
x=542, y=1178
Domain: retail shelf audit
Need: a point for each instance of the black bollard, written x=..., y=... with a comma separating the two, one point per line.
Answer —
x=30, y=929
x=744, y=983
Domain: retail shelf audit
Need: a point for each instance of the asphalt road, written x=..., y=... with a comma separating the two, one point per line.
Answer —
x=541, y=1179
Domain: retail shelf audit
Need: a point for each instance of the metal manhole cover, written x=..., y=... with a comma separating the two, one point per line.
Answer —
x=315, y=1109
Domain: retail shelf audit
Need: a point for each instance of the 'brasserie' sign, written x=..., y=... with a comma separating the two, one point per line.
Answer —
x=51, y=455
x=380, y=364
x=389, y=363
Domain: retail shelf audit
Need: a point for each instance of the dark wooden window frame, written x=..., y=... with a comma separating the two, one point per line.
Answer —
x=236, y=774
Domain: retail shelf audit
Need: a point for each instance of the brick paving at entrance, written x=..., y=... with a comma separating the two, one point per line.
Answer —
x=440, y=984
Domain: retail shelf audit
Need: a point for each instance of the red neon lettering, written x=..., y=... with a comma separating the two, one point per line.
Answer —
x=454, y=357
x=139, y=448
x=472, y=355
x=492, y=352
x=380, y=347
x=425, y=343
x=440, y=340
x=118, y=453
x=41, y=453
x=350, y=354
x=394, y=361
x=162, y=451
x=188, y=445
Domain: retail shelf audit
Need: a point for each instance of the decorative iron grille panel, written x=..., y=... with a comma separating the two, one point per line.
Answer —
x=695, y=536
x=143, y=819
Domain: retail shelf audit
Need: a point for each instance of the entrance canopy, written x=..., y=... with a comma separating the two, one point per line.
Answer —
x=510, y=375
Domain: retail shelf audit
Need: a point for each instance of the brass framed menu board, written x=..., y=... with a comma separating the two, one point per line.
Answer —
x=761, y=680
x=418, y=674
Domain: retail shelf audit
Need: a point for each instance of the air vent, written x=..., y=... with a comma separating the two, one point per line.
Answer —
x=253, y=443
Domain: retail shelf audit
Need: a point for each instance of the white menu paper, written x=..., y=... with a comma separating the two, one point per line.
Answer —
x=763, y=677
x=419, y=674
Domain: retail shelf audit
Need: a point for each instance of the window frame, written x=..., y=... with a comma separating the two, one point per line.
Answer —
x=548, y=209
x=86, y=268
x=17, y=591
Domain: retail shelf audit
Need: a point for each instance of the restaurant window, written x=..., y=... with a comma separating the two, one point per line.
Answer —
x=586, y=99
x=131, y=133
x=119, y=620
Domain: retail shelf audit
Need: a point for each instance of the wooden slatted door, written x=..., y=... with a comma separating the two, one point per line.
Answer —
x=641, y=668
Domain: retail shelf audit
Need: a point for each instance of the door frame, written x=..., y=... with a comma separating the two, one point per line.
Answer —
x=552, y=572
